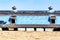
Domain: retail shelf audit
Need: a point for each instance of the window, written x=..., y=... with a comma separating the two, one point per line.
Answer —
x=5, y=29
x=52, y=20
x=56, y=29
x=15, y=29
x=12, y=20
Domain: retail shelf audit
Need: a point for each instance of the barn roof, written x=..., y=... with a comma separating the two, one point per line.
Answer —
x=31, y=12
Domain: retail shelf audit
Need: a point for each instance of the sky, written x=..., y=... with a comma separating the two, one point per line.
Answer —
x=29, y=4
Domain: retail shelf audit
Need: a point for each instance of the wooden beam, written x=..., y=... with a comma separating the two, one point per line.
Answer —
x=31, y=25
x=28, y=14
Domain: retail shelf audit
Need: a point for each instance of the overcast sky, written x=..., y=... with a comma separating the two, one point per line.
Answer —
x=29, y=4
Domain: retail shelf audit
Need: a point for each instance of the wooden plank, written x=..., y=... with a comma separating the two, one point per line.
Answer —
x=31, y=25
x=11, y=29
x=26, y=13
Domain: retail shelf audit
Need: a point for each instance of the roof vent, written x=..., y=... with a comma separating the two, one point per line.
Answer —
x=50, y=9
x=14, y=8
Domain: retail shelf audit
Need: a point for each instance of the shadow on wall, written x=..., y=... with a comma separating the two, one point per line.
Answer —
x=2, y=22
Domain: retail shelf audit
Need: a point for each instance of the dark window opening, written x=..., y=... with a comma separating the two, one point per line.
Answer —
x=5, y=29
x=44, y=29
x=56, y=29
x=15, y=29
x=34, y=29
x=12, y=20
x=53, y=21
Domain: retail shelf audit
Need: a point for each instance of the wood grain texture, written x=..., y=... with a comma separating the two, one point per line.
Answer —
x=34, y=35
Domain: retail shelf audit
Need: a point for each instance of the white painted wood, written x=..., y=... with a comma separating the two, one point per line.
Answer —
x=30, y=29
x=21, y=29
x=11, y=29
x=48, y=29
x=0, y=29
x=39, y=29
